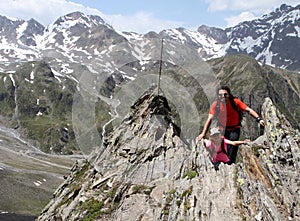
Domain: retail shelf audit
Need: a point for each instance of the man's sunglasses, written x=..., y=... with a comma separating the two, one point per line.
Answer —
x=223, y=95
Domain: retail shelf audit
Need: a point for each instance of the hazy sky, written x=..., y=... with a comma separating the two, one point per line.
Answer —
x=142, y=16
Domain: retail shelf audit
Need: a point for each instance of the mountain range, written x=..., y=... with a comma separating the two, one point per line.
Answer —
x=43, y=67
x=272, y=39
x=64, y=89
x=82, y=51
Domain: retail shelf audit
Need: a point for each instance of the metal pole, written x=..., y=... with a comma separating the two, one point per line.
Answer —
x=160, y=65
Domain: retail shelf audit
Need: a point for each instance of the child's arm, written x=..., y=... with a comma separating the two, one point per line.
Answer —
x=204, y=142
x=205, y=145
x=237, y=142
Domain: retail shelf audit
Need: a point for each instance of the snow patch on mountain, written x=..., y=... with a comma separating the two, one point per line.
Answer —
x=20, y=30
x=85, y=39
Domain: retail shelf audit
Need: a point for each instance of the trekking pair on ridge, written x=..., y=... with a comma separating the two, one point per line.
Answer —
x=227, y=111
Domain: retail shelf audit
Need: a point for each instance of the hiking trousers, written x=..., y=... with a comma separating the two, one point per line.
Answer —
x=232, y=151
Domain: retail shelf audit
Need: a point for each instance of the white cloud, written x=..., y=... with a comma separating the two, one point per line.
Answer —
x=244, y=16
x=217, y=5
x=47, y=12
x=248, y=10
x=44, y=12
x=242, y=5
x=140, y=22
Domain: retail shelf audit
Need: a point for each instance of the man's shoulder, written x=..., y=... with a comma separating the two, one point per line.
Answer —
x=236, y=99
x=240, y=103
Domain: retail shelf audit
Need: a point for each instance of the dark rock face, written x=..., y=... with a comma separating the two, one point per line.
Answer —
x=33, y=98
x=31, y=28
x=144, y=171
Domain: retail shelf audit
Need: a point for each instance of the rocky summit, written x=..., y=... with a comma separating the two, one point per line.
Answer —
x=145, y=171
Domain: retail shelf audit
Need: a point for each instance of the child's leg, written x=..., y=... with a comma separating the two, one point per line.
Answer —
x=216, y=165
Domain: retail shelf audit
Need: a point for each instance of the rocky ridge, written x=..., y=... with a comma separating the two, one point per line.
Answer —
x=144, y=171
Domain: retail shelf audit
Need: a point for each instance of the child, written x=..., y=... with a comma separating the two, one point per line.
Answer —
x=217, y=147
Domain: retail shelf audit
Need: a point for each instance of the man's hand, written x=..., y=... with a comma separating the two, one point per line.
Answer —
x=200, y=137
x=247, y=141
x=261, y=122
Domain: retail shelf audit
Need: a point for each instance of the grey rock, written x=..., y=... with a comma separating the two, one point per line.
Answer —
x=144, y=171
x=268, y=176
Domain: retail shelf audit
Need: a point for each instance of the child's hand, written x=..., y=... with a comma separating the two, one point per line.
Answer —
x=206, y=153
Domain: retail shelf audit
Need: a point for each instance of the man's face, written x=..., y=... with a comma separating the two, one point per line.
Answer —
x=223, y=95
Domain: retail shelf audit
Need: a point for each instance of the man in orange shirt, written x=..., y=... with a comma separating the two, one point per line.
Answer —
x=226, y=111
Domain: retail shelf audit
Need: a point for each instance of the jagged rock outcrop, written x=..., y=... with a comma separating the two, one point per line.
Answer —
x=144, y=171
x=268, y=176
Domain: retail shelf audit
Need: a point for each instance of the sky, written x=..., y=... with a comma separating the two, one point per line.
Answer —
x=142, y=16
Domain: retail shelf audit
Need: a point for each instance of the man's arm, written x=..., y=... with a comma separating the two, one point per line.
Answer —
x=206, y=126
x=255, y=115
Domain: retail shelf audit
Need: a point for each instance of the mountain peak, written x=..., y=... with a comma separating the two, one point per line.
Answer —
x=215, y=33
x=281, y=11
x=284, y=7
x=79, y=18
x=74, y=15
